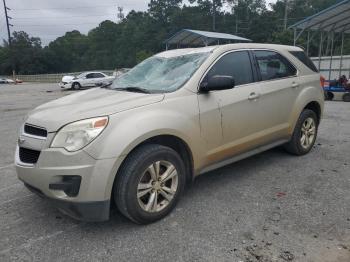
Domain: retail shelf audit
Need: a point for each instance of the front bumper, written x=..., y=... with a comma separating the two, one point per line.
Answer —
x=85, y=211
x=92, y=201
x=65, y=85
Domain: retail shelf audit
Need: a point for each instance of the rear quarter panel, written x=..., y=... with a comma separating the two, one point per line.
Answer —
x=310, y=91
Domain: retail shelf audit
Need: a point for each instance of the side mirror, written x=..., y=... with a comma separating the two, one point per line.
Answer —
x=217, y=82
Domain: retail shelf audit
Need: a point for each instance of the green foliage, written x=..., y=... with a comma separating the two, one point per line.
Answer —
x=141, y=34
x=142, y=55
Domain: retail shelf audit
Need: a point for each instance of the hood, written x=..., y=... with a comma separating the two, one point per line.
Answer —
x=67, y=78
x=87, y=104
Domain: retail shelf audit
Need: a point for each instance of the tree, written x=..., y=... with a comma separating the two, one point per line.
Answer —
x=66, y=53
x=25, y=54
x=141, y=34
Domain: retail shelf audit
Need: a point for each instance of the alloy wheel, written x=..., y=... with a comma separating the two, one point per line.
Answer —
x=308, y=133
x=157, y=186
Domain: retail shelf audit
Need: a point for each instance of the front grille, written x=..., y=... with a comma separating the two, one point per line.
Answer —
x=28, y=156
x=35, y=131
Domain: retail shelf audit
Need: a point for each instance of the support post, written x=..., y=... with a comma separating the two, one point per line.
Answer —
x=331, y=62
x=341, y=55
x=328, y=41
x=320, y=52
x=295, y=36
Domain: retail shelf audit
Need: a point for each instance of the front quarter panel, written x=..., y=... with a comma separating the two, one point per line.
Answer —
x=175, y=115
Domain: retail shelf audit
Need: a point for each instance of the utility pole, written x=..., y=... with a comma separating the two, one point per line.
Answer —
x=285, y=14
x=7, y=17
x=214, y=15
x=120, y=14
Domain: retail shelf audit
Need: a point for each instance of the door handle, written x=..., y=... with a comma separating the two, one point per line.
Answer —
x=253, y=96
x=295, y=85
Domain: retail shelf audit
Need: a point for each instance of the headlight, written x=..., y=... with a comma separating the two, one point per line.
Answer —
x=77, y=135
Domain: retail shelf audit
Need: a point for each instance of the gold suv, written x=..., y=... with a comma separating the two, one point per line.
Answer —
x=138, y=141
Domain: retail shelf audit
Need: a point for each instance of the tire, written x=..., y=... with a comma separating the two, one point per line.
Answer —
x=295, y=146
x=76, y=86
x=329, y=96
x=134, y=174
x=346, y=97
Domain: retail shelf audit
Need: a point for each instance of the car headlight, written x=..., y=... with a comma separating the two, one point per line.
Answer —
x=77, y=135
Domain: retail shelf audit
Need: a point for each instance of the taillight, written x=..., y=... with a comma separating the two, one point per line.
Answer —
x=322, y=81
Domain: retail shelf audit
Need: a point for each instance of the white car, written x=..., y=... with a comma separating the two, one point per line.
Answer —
x=6, y=81
x=87, y=79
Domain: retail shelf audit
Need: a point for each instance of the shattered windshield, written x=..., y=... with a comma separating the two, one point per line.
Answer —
x=161, y=74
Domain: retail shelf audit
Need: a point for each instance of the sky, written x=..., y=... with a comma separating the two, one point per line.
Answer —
x=49, y=19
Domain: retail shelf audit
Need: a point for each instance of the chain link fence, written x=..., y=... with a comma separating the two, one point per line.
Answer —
x=55, y=78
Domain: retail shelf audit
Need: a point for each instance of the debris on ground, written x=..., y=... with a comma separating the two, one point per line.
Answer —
x=287, y=256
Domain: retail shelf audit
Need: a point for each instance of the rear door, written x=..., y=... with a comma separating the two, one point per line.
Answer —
x=99, y=78
x=279, y=88
x=89, y=80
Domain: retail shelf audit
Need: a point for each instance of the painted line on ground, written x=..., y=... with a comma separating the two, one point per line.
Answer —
x=30, y=242
x=4, y=167
x=9, y=187
x=14, y=199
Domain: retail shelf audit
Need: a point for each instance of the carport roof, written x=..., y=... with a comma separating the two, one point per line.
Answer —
x=333, y=19
x=197, y=37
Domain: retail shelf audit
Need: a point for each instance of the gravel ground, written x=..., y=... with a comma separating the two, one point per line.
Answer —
x=270, y=207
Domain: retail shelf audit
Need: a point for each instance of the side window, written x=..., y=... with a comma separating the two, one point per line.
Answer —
x=305, y=60
x=98, y=75
x=89, y=76
x=273, y=65
x=235, y=64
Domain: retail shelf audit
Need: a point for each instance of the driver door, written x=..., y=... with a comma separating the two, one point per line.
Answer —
x=233, y=112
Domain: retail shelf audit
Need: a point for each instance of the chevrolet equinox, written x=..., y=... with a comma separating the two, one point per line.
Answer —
x=139, y=140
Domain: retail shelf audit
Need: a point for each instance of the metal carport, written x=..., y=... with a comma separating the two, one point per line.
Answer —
x=328, y=24
x=189, y=37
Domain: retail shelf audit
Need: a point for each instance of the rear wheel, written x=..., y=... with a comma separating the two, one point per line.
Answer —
x=76, y=86
x=346, y=97
x=304, y=135
x=150, y=182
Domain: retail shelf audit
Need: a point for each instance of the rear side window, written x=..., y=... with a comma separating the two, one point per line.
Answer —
x=235, y=64
x=273, y=65
x=304, y=59
x=98, y=75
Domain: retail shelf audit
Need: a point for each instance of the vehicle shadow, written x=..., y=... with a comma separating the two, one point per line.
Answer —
x=215, y=181
x=200, y=198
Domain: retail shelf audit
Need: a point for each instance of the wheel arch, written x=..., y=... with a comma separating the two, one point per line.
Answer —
x=172, y=141
x=75, y=82
x=177, y=144
x=316, y=107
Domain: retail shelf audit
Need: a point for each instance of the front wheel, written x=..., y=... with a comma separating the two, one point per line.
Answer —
x=76, y=86
x=304, y=135
x=149, y=183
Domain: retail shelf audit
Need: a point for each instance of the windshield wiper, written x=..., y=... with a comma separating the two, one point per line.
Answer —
x=133, y=89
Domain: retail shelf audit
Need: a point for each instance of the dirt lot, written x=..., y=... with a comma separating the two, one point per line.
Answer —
x=270, y=207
